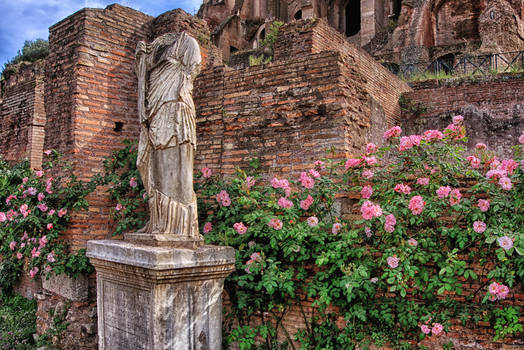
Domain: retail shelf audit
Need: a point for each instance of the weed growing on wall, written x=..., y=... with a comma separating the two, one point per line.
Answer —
x=35, y=207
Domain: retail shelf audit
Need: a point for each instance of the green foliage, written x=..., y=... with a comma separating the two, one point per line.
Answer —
x=255, y=60
x=268, y=43
x=17, y=323
x=506, y=322
x=367, y=283
x=34, y=208
x=411, y=109
x=58, y=326
x=125, y=188
x=32, y=51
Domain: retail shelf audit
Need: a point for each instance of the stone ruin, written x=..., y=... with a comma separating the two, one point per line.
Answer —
x=321, y=90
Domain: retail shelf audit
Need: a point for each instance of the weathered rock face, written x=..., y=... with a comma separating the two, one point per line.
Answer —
x=385, y=28
x=80, y=319
x=501, y=27
x=443, y=27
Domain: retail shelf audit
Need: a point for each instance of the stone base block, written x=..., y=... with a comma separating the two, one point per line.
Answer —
x=75, y=289
x=159, y=297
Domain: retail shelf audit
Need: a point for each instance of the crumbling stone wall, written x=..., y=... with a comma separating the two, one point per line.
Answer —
x=492, y=106
x=22, y=114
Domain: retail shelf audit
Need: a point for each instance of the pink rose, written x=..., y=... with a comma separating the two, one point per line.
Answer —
x=306, y=181
x=443, y=191
x=132, y=182
x=319, y=164
x=401, y=188
x=208, y=227
x=240, y=228
x=458, y=119
x=366, y=192
x=393, y=132
x=474, y=161
x=312, y=221
x=424, y=181
x=336, y=228
x=62, y=212
x=416, y=205
x=391, y=220
x=430, y=135
x=481, y=146
x=48, y=152
x=51, y=257
x=19, y=255
x=393, y=261
x=285, y=203
x=368, y=232
x=505, y=242
x=314, y=173
x=49, y=226
x=223, y=198
x=35, y=253
x=206, y=173
x=39, y=173
x=479, y=226
x=367, y=174
x=306, y=203
x=353, y=163
x=41, y=197
x=505, y=183
x=33, y=272
x=413, y=242
x=437, y=328
x=389, y=228
x=371, y=160
x=3, y=217
x=521, y=138
x=275, y=223
x=12, y=245
x=118, y=207
x=371, y=147
x=483, y=204
x=43, y=208
x=425, y=329
x=455, y=196
x=369, y=210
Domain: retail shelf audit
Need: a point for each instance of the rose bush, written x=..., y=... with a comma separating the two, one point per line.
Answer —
x=35, y=206
x=435, y=235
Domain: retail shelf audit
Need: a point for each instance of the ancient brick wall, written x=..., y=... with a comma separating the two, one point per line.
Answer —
x=22, y=114
x=302, y=37
x=492, y=106
x=92, y=99
x=286, y=114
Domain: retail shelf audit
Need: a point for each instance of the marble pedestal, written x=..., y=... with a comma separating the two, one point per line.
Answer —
x=159, y=297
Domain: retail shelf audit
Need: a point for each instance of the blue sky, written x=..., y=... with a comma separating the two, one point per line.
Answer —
x=30, y=19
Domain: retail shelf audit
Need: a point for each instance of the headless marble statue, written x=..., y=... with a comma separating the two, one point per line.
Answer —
x=166, y=69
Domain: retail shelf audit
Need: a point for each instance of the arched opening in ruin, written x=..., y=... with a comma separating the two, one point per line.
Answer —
x=395, y=9
x=444, y=64
x=263, y=34
x=353, y=20
x=298, y=15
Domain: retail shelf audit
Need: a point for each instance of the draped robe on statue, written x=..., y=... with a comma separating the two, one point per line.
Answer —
x=166, y=69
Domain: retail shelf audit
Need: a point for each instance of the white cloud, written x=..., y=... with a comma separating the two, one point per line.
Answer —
x=30, y=19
